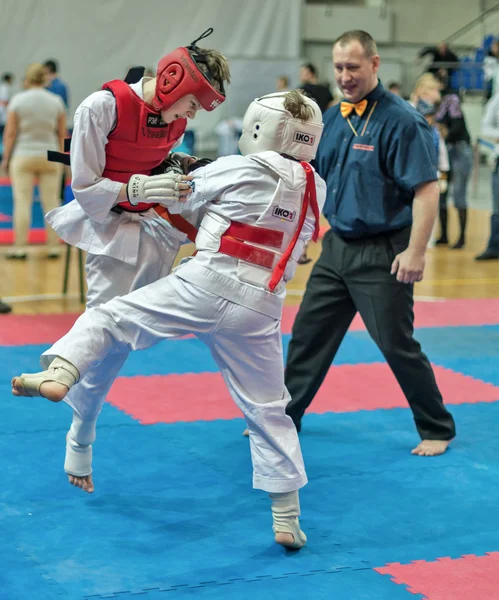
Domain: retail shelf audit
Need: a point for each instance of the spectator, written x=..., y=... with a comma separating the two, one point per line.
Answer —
x=425, y=98
x=490, y=129
x=460, y=152
x=441, y=54
x=282, y=84
x=313, y=89
x=4, y=308
x=6, y=91
x=54, y=83
x=491, y=68
x=36, y=122
x=394, y=88
x=228, y=133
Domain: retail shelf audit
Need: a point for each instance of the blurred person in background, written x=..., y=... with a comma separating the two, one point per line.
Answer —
x=4, y=308
x=458, y=141
x=6, y=91
x=319, y=92
x=54, y=82
x=490, y=130
x=228, y=133
x=282, y=84
x=55, y=85
x=394, y=88
x=425, y=98
x=441, y=54
x=36, y=122
x=491, y=69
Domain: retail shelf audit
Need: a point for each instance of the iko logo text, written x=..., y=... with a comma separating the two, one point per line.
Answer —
x=283, y=213
x=304, y=138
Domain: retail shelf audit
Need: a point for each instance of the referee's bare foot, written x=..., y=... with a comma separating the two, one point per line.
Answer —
x=431, y=447
x=84, y=483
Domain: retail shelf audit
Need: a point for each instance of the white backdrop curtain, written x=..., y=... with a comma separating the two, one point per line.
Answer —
x=95, y=41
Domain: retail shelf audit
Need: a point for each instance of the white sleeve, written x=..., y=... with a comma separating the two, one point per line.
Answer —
x=93, y=121
x=210, y=182
x=443, y=155
x=490, y=126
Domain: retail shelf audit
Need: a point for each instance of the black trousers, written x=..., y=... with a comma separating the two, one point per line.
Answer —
x=351, y=276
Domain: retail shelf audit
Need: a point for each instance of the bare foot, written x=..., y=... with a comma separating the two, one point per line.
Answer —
x=52, y=390
x=84, y=483
x=246, y=433
x=431, y=447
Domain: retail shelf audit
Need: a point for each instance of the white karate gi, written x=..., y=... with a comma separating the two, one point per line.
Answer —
x=238, y=321
x=125, y=251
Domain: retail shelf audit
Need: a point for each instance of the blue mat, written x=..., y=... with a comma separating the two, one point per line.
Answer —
x=174, y=514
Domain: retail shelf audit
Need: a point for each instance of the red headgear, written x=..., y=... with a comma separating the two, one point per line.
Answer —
x=178, y=75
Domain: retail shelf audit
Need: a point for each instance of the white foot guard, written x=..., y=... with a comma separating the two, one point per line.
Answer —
x=60, y=370
x=285, y=512
x=79, y=441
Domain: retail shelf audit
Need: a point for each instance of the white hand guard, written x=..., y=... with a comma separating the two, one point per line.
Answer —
x=154, y=189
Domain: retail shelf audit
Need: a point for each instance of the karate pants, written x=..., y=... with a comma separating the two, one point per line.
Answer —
x=108, y=278
x=246, y=345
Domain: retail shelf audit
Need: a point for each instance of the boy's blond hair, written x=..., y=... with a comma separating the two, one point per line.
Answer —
x=294, y=102
x=218, y=67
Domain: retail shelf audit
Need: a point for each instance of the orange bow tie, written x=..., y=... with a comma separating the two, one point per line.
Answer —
x=347, y=108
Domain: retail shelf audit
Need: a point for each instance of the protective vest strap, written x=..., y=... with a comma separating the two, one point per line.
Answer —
x=269, y=237
x=257, y=235
x=178, y=222
x=61, y=157
x=309, y=199
x=247, y=252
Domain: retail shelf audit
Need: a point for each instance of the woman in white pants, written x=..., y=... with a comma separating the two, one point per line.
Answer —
x=36, y=122
x=261, y=208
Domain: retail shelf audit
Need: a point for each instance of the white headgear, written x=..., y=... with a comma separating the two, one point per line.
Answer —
x=267, y=125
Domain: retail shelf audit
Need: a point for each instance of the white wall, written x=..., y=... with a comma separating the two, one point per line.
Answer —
x=97, y=40
x=428, y=21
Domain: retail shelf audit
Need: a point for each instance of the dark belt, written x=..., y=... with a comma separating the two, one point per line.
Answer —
x=119, y=210
x=369, y=236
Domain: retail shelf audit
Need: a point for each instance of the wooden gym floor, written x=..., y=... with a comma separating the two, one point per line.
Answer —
x=35, y=285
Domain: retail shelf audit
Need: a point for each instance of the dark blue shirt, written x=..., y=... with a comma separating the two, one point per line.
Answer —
x=371, y=177
x=56, y=86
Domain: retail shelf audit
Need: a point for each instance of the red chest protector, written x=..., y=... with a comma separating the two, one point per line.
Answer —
x=140, y=141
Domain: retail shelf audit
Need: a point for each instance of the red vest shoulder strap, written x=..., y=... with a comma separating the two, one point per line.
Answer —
x=128, y=106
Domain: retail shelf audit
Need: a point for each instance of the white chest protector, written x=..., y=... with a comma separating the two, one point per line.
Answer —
x=262, y=247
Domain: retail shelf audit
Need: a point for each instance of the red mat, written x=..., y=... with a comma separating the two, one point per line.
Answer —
x=449, y=313
x=467, y=578
x=347, y=388
x=18, y=330
x=35, y=236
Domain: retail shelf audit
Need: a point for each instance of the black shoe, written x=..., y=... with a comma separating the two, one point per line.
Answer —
x=5, y=309
x=441, y=241
x=16, y=256
x=488, y=255
x=304, y=260
x=458, y=245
